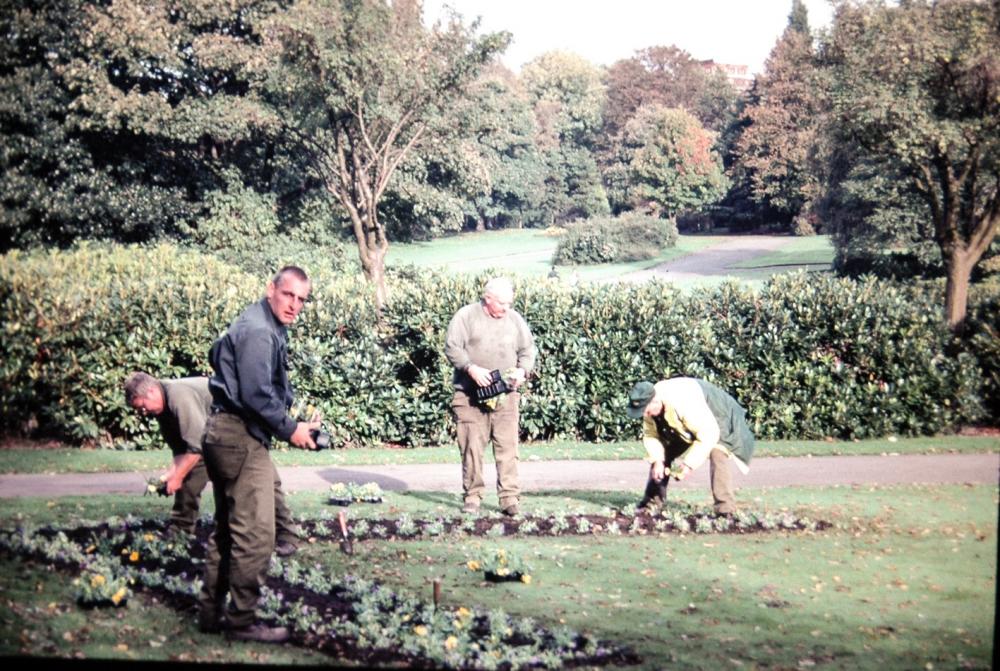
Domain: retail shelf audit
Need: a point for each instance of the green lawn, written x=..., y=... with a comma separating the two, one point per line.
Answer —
x=801, y=252
x=524, y=252
x=528, y=253
x=904, y=580
x=74, y=460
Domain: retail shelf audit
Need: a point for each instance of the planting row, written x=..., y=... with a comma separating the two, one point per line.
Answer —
x=349, y=618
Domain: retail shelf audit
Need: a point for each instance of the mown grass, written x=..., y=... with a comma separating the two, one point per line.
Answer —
x=905, y=580
x=524, y=252
x=528, y=252
x=807, y=251
x=73, y=460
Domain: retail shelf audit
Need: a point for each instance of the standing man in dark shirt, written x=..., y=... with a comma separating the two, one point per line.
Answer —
x=251, y=398
x=181, y=408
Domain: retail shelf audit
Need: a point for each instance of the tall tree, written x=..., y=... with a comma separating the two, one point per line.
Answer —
x=490, y=175
x=83, y=154
x=918, y=85
x=781, y=130
x=121, y=118
x=668, y=162
x=666, y=76
x=356, y=84
x=568, y=100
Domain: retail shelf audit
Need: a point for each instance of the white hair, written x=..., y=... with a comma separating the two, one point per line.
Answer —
x=498, y=286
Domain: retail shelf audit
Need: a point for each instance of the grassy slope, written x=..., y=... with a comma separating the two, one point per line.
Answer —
x=526, y=252
x=906, y=580
x=72, y=460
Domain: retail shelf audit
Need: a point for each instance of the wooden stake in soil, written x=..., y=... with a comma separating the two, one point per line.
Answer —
x=437, y=591
x=345, y=542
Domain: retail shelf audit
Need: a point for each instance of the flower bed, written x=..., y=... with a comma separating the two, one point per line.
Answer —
x=674, y=519
x=347, y=617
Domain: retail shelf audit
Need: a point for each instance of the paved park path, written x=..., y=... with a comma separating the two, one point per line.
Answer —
x=549, y=475
x=717, y=259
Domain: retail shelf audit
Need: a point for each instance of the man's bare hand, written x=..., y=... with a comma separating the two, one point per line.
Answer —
x=174, y=483
x=656, y=471
x=479, y=375
x=302, y=437
x=518, y=377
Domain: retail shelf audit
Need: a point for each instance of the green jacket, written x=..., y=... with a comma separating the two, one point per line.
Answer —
x=701, y=416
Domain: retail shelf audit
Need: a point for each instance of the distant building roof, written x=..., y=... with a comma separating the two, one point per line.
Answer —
x=738, y=75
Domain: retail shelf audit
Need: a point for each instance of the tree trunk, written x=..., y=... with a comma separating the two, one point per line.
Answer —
x=959, y=263
x=373, y=266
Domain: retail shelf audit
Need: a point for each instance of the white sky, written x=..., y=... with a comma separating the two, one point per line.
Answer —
x=604, y=31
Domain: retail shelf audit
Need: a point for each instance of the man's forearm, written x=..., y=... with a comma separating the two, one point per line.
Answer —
x=184, y=463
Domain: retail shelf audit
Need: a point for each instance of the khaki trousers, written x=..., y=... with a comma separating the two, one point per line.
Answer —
x=722, y=482
x=187, y=501
x=476, y=427
x=239, y=550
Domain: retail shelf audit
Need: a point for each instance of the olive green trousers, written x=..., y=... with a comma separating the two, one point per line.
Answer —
x=187, y=501
x=239, y=550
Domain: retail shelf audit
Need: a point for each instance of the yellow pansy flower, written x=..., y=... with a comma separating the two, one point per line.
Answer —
x=526, y=579
x=450, y=643
x=118, y=596
x=473, y=565
x=420, y=630
x=134, y=557
x=97, y=580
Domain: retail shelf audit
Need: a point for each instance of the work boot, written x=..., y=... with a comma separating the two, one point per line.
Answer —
x=211, y=623
x=655, y=495
x=471, y=508
x=261, y=633
x=511, y=511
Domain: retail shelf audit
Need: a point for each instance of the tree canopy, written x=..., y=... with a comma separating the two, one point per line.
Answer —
x=917, y=88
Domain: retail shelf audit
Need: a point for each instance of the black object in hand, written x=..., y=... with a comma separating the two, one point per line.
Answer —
x=496, y=387
x=321, y=438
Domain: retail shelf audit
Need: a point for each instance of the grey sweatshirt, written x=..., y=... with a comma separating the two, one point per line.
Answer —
x=474, y=337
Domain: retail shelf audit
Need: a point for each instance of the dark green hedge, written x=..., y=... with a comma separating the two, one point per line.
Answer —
x=627, y=237
x=809, y=356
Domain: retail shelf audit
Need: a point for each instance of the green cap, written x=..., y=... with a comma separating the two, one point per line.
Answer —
x=640, y=396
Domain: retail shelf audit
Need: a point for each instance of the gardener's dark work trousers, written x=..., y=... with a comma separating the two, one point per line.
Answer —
x=184, y=513
x=239, y=551
x=187, y=500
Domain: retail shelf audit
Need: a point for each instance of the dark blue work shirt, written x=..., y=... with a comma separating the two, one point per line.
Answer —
x=251, y=373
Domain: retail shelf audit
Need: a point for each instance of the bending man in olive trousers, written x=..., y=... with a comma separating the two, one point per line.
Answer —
x=251, y=397
x=181, y=408
x=686, y=421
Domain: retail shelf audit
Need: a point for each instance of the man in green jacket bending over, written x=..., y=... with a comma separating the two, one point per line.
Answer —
x=685, y=422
